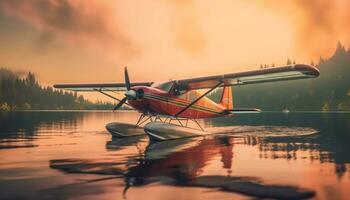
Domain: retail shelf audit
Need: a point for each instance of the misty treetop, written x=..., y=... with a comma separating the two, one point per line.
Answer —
x=25, y=93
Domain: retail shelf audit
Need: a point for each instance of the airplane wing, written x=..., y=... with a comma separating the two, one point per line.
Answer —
x=289, y=72
x=90, y=87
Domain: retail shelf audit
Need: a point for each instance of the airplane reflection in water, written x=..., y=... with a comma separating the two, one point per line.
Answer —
x=179, y=163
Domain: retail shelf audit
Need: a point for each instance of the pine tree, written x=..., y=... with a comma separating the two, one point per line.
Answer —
x=321, y=60
x=31, y=79
x=340, y=47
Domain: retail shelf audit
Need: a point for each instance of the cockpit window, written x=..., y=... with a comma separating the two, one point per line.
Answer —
x=166, y=86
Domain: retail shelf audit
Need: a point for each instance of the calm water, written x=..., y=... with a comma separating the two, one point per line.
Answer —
x=70, y=155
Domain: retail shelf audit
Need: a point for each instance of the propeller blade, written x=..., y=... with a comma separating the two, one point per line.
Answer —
x=120, y=103
x=127, y=80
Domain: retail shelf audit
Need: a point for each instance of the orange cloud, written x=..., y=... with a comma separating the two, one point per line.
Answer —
x=319, y=24
x=95, y=24
x=188, y=33
x=91, y=24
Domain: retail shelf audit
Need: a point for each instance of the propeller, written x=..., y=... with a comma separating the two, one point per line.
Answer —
x=126, y=78
x=130, y=93
x=121, y=102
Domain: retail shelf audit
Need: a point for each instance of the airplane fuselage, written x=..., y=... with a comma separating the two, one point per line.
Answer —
x=158, y=101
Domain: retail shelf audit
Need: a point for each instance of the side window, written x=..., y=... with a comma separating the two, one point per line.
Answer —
x=177, y=90
x=167, y=86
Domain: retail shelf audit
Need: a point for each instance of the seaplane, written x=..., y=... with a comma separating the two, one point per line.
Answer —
x=166, y=107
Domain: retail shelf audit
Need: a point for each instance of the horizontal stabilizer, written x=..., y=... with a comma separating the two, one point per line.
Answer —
x=243, y=110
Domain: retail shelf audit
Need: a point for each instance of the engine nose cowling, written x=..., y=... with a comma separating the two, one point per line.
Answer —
x=133, y=94
x=130, y=94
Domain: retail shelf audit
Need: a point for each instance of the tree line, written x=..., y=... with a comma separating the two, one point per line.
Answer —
x=25, y=93
x=329, y=92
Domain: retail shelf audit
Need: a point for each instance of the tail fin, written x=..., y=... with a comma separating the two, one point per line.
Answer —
x=227, y=98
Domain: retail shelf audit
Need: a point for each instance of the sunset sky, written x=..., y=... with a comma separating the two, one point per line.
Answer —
x=91, y=41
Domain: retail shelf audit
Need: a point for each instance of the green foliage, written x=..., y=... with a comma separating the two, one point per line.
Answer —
x=18, y=93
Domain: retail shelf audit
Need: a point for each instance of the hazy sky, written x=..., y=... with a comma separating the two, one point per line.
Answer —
x=91, y=41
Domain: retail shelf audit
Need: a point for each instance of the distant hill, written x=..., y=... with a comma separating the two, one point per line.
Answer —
x=25, y=93
x=329, y=92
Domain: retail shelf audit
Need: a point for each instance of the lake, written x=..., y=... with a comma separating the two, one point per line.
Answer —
x=70, y=155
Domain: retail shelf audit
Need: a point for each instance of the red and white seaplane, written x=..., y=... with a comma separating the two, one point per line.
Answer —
x=162, y=103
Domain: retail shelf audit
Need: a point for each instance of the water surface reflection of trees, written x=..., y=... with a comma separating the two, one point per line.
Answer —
x=329, y=145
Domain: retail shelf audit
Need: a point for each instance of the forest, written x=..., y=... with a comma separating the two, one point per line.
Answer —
x=18, y=92
x=329, y=92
